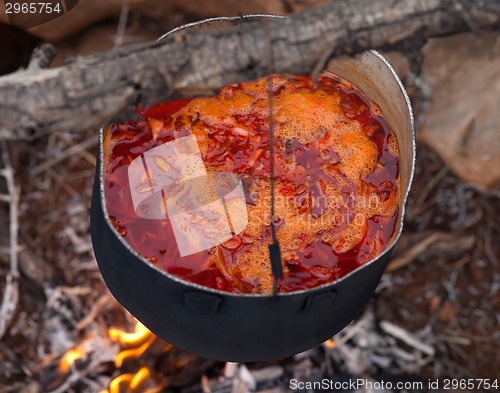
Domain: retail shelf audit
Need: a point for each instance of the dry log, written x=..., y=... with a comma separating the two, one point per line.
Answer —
x=99, y=88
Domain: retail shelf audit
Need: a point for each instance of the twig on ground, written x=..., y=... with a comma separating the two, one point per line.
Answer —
x=453, y=339
x=75, y=149
x=62, y=182
x=11, y=292
x=101, y=303
x=488, y=250
x=352, y=329
x=80, y=244
x=406, y=337
x=66, y=137
x=413, y=252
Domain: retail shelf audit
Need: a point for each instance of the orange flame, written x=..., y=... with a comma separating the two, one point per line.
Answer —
x=144, y=381
x=140, y=334
x=329, y=343
x=69, y=358
x=141, y=382
x=141, y=337
x=135, y=344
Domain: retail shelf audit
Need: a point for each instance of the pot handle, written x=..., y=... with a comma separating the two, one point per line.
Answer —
x=319, y=302
x=202, y=303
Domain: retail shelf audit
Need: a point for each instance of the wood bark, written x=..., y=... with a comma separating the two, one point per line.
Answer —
x=104, y=87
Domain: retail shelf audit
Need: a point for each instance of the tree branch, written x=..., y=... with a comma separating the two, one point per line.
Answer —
x=103, y=87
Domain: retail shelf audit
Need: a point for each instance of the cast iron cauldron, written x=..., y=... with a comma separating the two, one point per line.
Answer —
x=243, y=328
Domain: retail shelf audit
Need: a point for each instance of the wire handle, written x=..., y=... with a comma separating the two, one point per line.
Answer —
x=274, y=247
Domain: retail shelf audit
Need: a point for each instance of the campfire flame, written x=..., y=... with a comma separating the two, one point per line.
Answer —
x=144, y=380
x=135, y=338
x=69, y=358
x=140, y=347
x=136, y=363
x=141, y=339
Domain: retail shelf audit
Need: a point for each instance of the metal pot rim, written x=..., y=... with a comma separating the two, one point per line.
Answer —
x=323, y=287
x=220, y=18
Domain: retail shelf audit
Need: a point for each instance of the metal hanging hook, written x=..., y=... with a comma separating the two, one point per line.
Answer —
x=274, y=248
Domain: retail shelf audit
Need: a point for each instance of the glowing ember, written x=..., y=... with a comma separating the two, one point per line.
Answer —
x=329, y=343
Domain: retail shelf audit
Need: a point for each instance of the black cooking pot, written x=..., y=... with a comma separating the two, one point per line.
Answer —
x=244, y=327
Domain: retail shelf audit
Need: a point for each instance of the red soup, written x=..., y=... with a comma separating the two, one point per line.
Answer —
x=189, y=189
